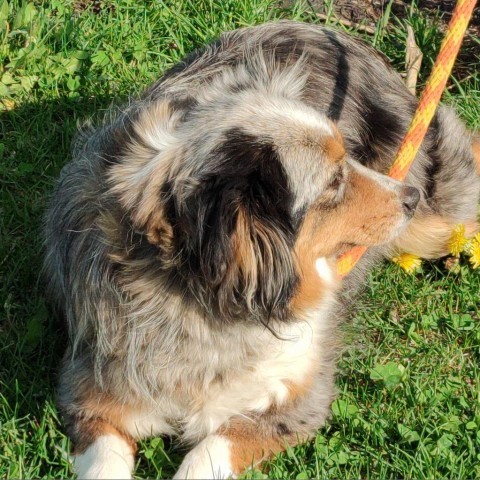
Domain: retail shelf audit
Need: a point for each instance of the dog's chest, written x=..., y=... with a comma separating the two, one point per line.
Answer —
x=217, y=379
x=268, y=375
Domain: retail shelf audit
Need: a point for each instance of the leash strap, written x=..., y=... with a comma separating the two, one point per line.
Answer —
x=427, y=106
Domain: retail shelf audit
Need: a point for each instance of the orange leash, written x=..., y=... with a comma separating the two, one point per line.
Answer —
x=427, y=106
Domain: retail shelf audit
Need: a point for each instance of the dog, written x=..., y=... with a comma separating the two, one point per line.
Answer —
x=191, y=243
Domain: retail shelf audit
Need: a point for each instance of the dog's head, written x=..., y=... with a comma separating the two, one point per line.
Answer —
x=251, y=200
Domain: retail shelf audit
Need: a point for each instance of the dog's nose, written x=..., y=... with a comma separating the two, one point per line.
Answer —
x=410, y=199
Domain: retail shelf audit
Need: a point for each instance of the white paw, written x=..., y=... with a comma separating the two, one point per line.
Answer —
x=108, y=457
x=210, y=459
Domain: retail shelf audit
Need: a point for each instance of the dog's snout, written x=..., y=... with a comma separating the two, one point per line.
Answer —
x=410, y=199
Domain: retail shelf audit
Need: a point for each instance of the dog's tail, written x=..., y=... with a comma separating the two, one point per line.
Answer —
x=430, y=236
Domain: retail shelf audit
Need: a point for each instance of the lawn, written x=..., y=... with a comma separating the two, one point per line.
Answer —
x=409, y=398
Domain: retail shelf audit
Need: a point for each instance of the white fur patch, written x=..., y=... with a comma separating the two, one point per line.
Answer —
x=309, y=118
x=324, y=270
x=290, y=358
x=143, y=423
x=209, y=459
x=108, y=457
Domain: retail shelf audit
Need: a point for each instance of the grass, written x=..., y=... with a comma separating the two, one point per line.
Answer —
x=409, y=400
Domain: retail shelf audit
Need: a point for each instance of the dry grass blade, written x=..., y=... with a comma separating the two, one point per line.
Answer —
x=359, y=27
x=413, y=61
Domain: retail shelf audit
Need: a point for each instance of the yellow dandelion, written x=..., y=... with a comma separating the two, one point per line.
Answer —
x=457, y=240
x=7, y=104
x=409, y=262
x=468, y=246
x=474, y=251
x=471, y=242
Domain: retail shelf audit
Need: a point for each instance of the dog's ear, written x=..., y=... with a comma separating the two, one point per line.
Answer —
x=261, y=276
x=234, y=232
x=144, y=147
x=476, y=151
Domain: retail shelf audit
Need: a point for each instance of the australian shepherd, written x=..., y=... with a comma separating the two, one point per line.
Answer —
x=191, y=243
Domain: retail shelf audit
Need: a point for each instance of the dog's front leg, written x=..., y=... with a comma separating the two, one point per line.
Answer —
x=243, y=443
x=211, y=458
x=109, y=454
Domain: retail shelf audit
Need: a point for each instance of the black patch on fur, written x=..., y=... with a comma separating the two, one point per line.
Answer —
x=243, y=175
x=287, y=50
x=166, y=196
x=117, y=138
x=382, y=128
x=183, y=104
x=435, y=164
x=341, y=78
x=283, y=430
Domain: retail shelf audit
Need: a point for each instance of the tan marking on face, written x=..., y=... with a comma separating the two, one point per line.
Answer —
x=334, y=147
x=366, y=216
x=476, y=154
x=250, y=445
x=311, y=287
x=428, y=236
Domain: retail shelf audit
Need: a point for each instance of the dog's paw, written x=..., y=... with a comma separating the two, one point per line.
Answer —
x=108, y=457
x=209, y=459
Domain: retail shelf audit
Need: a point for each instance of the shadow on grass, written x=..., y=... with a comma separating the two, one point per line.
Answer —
x=35, y=144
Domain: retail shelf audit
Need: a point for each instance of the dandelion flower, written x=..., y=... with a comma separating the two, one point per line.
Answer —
x=468, y=249
x=409, y=262
x=474, y=251
x=457, y=240
x=468, y=246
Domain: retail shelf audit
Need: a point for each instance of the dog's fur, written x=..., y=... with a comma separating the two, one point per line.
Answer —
x=191, y=244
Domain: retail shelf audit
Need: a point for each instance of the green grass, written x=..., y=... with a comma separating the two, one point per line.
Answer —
x=409, y=402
